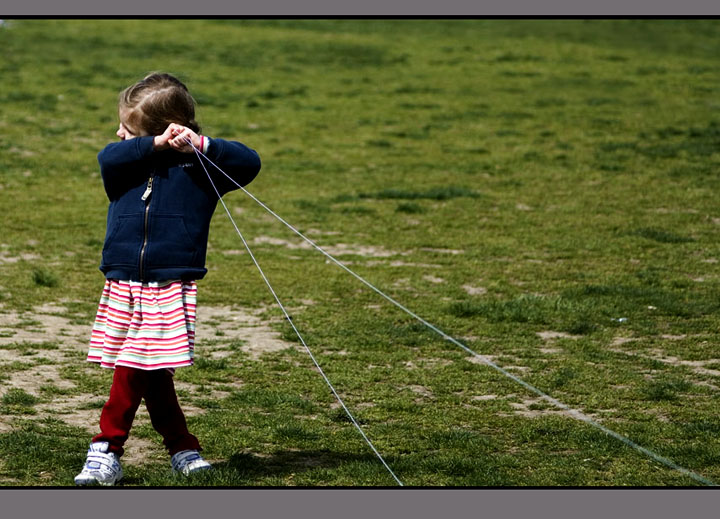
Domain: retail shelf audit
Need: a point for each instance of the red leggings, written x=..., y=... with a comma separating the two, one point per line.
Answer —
x=129, y=387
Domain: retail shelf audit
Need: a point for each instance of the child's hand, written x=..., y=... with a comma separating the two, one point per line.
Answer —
x=180, y=136
x=176, y=137
x=160, y=142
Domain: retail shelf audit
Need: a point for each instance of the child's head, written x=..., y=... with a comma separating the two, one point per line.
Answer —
x=150, y=105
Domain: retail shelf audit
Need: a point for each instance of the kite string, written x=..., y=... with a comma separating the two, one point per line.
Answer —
x=289, y=319
x=572, y=412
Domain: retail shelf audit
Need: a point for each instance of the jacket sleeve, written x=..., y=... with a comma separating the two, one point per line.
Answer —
x=120, y=166
x=239, y=162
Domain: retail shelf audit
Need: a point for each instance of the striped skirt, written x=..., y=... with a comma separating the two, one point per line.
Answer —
x=145, y=325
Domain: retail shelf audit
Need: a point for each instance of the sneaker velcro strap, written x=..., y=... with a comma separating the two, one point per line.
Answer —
x=99, y=447
x=97, y=460
x=188, y=461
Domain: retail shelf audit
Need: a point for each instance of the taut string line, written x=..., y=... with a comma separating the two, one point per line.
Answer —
x=289, y=319
x=572, y=412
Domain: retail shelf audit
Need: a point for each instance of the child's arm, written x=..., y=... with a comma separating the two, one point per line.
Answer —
x=241, y=163
x=116, y=161
x=115, y=158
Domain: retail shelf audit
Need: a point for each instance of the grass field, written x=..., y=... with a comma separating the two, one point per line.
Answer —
x=545, y=191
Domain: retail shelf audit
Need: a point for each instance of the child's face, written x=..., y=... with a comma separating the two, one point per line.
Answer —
x=126, y=131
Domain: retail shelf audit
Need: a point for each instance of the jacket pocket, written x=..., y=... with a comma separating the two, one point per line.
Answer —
x=123, y=240
x=170, y=243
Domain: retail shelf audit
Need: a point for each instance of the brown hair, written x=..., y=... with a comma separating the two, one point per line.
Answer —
x=154, y=102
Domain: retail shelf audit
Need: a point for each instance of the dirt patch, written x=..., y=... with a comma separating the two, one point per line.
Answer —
x=52, y=327
x=490, y=360
x=267, y=240
x=619, y=341
x=443, y=251
x=536, y=407
x=665, y=210
x=22, y=152
x=361, y=405
x=707, y=384
x=524, y=409
x=659, y=415
x=238, y=324
x=4, y=258
x=400, y=263
x=483, y=398
x=549, y=351
x=549, y=335
x=482, y=359
x=342, y=353
x=57, y=340
x=31, y=380
x=697, y=366
x=76, y=410
x=318, y=232
x=361, y=250
x=403, y=283
x=474, y=291
x=433, y=279
x=430, y=363
x=420, y=390
x=340, y=249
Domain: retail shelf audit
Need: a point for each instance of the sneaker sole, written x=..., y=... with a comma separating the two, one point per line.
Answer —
x=192, y=471
x=94, y=482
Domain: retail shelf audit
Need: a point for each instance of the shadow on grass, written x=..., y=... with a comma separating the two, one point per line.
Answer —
x=320, y=468
x=284, y=468
x=284, y=463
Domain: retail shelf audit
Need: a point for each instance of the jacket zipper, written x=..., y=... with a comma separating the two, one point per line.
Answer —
x=145, y=198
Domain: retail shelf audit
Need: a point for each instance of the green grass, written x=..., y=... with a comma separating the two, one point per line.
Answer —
x=512, y=177
x=17, y=401
x=45, y=278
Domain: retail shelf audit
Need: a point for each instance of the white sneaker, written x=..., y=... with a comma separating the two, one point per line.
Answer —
x=188, y=461
x=101, y=467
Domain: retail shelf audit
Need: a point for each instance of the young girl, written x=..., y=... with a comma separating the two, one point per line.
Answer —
x=161, y=203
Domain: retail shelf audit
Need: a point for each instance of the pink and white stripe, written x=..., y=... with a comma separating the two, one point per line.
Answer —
x=145, y=325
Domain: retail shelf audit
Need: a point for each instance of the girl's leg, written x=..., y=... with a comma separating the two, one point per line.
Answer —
x=126, y=392
x=165, y=414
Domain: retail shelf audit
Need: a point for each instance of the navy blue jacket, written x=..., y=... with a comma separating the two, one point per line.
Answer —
x=164, y=236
